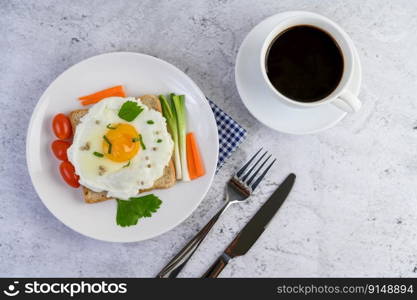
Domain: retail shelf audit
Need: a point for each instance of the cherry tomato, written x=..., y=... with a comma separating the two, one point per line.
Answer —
x=61, y=126
x=59, y=148
x=68, y=174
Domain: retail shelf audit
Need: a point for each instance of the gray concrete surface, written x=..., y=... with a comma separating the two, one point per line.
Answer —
x=353, y=211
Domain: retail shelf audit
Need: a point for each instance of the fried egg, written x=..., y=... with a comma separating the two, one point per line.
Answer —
x=119, y=157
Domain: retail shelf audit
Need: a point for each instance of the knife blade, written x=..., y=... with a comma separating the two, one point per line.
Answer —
x=254, y=228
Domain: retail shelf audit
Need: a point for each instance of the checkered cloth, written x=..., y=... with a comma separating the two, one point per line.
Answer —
x=231, y=134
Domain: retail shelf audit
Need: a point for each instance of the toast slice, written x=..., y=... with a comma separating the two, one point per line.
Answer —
x=167, y=180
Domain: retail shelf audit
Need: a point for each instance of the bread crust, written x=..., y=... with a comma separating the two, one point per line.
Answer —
x=167, y=180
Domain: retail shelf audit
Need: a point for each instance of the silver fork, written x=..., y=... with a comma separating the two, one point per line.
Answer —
x=238, y=189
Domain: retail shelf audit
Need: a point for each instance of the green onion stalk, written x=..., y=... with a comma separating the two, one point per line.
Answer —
x=178, y=105
x=173, y=129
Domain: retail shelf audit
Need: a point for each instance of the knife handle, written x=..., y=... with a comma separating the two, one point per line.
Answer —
x=217, y=266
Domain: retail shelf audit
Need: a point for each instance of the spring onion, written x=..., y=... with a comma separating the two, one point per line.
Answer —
x=108, y=142
x=109, y=126
x=172, y=127
x=139, y=139
x=142, y=144
x=98, y=154
x=178, y=105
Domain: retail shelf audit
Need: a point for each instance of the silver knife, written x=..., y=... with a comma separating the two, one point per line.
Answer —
x=253, y=229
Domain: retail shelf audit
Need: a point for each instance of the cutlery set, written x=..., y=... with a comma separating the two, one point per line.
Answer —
x=239, y=188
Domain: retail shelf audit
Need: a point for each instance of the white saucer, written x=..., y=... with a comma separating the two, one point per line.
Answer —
x=262, y=102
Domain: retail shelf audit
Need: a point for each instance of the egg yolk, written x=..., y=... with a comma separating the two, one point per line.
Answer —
x=121, y=143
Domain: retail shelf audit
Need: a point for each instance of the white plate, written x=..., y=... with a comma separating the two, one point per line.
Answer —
x=262, y=102
x=140, y=74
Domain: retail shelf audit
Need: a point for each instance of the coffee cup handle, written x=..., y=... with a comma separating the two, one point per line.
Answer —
x=348, y=102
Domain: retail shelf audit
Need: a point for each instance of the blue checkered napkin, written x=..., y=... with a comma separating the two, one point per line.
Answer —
x=231, y=134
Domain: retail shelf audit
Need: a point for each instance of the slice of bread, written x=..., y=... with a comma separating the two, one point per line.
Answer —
x=167, y=180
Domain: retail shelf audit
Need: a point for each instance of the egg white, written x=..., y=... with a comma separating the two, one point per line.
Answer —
x=118, y=180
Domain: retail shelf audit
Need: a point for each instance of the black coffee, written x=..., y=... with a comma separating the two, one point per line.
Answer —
x=304, y=63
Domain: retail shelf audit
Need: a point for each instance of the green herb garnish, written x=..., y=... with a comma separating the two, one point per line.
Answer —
x=126, y=165
x=130, y=211
x=129, y=111
x=150, y=122
x=110, y=127
x=139, y=139
x=159, y=141
x=141, y=142
x=108, y=142
x=98, y=154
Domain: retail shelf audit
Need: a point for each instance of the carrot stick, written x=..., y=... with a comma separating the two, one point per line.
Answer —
x=88, y=102
x=190, y=158
x=195, y=163
x=93, y=101
x=115, y=91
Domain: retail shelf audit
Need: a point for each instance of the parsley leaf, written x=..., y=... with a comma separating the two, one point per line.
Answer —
x=130, y=211
x=129, y=111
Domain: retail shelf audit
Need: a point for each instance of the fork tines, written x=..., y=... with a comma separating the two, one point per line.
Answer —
x=242, y=175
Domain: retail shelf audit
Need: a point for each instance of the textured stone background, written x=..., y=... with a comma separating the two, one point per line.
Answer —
x=353, y=211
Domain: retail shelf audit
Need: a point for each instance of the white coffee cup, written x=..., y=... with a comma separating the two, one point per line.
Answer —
x=341, y=96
